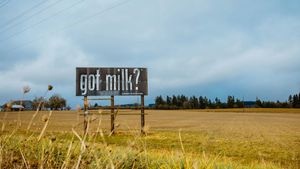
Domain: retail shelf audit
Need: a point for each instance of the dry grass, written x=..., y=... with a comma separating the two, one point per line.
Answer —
x=250, y=138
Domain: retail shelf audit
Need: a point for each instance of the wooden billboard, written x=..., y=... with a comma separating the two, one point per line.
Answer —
x=107, y=81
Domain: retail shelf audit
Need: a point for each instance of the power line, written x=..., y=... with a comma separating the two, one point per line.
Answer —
x=41, y=21
x=23, y=13
x=83, y=19
x=4, y=3
x=31, y=16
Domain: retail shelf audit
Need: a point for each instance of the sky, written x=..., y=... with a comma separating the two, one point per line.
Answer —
x=213, y=48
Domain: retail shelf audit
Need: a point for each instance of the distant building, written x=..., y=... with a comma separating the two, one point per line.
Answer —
x=16, y=105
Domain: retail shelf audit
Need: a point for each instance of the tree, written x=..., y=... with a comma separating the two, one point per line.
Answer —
x=39, y=101
x=290, y=99
x=258, y=103
x=218, y=103
x=194, y=102
x=230, y=101
x=201, y=103
x=186, y=105
x=56, y=102
x=181, y=100
x=169, y=101
x=174, y=101
x=159, y=101
x=239, y=103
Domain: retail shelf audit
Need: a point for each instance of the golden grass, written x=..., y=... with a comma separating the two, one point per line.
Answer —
x=175, y=139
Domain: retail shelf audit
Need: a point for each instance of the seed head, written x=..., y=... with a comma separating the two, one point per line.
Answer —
x=50, y=87
x=26, y=89
x=45, y=118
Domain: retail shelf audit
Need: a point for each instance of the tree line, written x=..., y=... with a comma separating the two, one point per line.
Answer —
x=55, y=102
x=202, y=102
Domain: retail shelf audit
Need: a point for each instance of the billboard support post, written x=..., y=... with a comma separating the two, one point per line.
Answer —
x=85, y=108
x=112, y=114
x=142, y=114
x=112, y=81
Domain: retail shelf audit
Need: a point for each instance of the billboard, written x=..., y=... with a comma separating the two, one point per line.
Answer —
x=111, y=81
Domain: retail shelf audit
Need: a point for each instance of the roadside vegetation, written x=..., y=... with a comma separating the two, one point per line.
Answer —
x=43, y=147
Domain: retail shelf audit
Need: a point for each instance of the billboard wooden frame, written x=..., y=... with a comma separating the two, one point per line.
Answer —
x=135, y=79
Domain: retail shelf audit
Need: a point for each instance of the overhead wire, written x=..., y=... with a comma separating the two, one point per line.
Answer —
x=31, y=16
x=86, y=18
x=23, y=13
x=4, y=3
x=42, y=20
x=83, y=19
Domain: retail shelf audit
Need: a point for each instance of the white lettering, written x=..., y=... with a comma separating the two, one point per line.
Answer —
x=111, y=82
x=92, y=82
x=97, y=80
x=83, y=84
x=128, y=80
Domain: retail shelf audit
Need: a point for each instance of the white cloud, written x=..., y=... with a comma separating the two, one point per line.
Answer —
x=244, y=45
x=55, y=64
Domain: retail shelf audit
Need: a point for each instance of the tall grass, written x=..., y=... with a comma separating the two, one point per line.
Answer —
x=28, y=149
x=18, y=151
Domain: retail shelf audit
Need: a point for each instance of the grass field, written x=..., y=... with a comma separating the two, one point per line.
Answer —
x=222, y=138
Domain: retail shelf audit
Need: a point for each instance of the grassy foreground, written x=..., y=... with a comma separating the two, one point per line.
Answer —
x=163, y=150
x=220, y=140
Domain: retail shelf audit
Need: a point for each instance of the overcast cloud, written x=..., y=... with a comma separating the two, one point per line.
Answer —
x=196, y=47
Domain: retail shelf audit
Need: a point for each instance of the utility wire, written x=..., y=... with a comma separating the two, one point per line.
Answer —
x=4, y=3
x=23, y=13
x=41, y=21
x=31, y=16
x=86, y=18
x=83, y=19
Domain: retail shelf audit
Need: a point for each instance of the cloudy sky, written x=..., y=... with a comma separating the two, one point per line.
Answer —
x=246, y=48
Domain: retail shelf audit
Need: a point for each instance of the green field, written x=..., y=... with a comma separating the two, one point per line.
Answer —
x=221, y=138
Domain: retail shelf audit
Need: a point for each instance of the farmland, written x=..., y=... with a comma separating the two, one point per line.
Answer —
x=222, y=138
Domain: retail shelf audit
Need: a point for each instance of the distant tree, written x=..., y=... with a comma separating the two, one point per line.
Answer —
x=206, y=102
x=194, y=102
x=159, y=102
x=96, y=105
x=39, y=101
x=57, y=102
x=218, y=103
x=182, y=99
x=174, y=101
x=210, y=104
x=296, y=101
x=258, y=102
x=290, y=100
x=201, y=103
x=169, y=101
x=239, y=103
x=230, y=101
x=186, y=105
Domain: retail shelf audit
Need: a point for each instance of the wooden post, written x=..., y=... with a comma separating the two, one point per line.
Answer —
x=112, y=114
x=85, y=108
x=142, y=114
